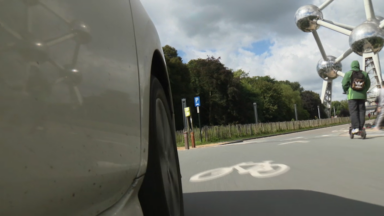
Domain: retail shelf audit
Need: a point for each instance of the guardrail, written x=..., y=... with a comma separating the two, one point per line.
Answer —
x=217, y=133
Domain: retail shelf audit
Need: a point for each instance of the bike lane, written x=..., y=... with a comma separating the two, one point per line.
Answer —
x=333, y=165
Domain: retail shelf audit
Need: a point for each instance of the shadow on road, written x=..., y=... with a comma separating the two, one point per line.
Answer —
x=275, y=203
x=372, y=137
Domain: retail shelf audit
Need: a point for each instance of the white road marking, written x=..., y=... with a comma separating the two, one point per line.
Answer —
x=338, y=131
x=295, y=138
x=324, y=136
x=293, y=142
x=253, y=141
x=242, y=143
x=265, y=169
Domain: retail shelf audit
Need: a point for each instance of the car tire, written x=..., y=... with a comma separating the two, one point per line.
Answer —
x=161, y=191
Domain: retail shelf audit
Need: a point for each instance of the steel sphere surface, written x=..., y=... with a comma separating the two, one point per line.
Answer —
x=32, y=49
x=73, y=74
x=82, y=31
x=327, y=70
x=367, y=37
x=306, y=18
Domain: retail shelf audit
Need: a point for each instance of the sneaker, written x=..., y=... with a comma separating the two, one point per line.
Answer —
x=356, y=130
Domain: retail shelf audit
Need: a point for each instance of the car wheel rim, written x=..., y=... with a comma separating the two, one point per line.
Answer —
x=167, y=158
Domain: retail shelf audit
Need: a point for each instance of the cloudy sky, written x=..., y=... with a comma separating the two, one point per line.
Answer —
x=257, y=36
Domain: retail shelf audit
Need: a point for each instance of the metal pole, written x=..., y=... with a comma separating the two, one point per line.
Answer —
x=344, y=55
x=369, y=12
x=192, y=133
x=320, y=45
x=186, y=142
x=318, y=110
x=296, y=112
x=255, y=109
x=349, y=27
x=198, y=112
x=334, y=27
x=183, y=105
x=325, y=4
x=334, y=112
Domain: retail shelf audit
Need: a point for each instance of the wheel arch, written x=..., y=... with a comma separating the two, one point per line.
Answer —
x=151, y=62
x=159, y=70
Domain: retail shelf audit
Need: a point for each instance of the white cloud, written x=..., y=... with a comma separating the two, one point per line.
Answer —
x=224, y=28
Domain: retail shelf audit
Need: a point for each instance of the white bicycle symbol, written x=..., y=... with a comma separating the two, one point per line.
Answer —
x=257, y=170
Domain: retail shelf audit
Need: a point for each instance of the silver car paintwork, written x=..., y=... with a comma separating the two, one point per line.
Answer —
x=92, y=142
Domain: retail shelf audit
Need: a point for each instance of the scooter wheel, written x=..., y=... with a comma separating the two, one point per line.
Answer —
x=351, y=136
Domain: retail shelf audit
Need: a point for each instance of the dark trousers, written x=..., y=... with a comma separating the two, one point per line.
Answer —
x=357, y=113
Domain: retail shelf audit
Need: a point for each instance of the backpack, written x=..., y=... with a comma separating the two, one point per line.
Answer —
x=357, y=80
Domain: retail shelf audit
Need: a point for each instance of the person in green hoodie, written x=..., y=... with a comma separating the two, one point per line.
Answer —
x=356, y=84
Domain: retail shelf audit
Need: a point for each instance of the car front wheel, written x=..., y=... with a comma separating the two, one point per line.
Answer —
x=161, y=191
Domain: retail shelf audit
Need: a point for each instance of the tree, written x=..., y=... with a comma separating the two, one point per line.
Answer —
x=294, y=85
x=267, y=93
x=215, y=85
x=310, y=101
x=180, y=81
x=341, y=108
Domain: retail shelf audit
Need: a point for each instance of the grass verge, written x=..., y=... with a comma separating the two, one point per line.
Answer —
x=223, y=141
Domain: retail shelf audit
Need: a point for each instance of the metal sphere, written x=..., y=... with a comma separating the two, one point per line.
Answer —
x=82, y=31
x=306, y=18
x=366, y=38
x=33, y=50
x=327, y=70
x=73, y=74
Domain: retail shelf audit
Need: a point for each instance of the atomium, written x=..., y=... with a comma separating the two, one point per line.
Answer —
x=82, y=32
x=36, y=51
x=365, y=39
x=306, y=18
x=327, y=69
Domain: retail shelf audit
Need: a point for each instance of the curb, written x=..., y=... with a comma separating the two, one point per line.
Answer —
x=261, y=137
x=273, y=135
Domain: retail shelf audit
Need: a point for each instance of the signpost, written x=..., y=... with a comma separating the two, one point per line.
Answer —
x=197, y=105
x=296, y=112
x=187, y=112
x=318, y=110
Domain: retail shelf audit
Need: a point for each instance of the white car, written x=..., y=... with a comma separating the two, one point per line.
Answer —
x=86, y=117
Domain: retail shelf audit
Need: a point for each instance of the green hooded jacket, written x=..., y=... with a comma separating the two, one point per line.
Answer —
x=352, y=94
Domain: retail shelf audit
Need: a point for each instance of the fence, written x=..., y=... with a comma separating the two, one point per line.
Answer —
x=217, y=133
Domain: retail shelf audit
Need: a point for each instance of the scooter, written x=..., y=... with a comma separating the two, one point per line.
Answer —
x=361, y=133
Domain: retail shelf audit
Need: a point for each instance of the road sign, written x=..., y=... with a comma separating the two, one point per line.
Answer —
x=197, y=101
x=187, y=112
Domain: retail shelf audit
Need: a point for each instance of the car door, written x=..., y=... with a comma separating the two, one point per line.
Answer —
x=69, y=111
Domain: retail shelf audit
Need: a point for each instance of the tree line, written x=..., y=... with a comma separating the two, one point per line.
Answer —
x=227, y=96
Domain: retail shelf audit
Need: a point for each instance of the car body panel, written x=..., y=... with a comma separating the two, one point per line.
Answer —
x=69, y=123
x=147, y=43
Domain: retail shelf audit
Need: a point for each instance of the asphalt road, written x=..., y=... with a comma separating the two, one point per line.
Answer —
x=318, y=172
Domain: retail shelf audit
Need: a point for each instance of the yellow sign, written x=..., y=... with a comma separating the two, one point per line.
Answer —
x=187, y=112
